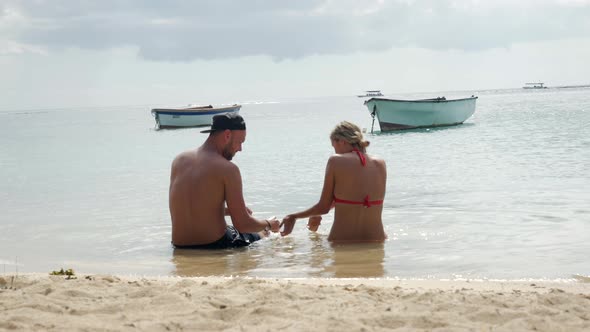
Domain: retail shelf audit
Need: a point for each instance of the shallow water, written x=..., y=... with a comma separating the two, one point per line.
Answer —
x=504, y=195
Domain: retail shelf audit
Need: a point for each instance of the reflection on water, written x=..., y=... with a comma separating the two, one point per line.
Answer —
x=357, y=261
x=285, y=258
x=198, y=263
x=428, y=130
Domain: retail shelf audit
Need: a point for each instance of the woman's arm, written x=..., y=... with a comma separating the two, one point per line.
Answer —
x=321, y=207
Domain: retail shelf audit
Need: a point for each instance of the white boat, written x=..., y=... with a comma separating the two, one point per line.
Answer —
x=395, y=114
x=195, y=116
x=534, y=85
x=371, y=93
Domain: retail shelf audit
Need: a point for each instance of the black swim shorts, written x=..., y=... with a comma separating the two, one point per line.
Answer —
x=231, y=239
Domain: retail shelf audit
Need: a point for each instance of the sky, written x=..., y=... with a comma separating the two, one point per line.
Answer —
x=85, y=53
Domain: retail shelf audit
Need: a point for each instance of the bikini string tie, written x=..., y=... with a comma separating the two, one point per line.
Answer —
x=361, y=156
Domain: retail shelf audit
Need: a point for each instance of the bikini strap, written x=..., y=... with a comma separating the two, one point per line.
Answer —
x=361, y=156
x=366, y=202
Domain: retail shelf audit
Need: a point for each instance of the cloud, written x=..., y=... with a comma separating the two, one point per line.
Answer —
x=182, y=30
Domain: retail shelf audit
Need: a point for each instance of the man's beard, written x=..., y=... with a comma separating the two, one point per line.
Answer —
x=226, y=153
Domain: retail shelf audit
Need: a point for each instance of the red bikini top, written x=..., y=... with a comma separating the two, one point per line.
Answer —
x=366, y=202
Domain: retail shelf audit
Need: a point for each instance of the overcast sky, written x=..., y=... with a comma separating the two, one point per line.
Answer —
x=98, y=53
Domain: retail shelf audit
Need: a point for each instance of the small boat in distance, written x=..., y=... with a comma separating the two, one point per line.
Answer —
x=193, y=116
x=371, y=93
x=534, y=85
x=394, y=114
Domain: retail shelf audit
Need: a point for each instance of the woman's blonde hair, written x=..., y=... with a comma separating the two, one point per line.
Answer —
x=351, y=133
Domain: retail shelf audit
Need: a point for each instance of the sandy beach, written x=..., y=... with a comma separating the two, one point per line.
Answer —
x=101, y=302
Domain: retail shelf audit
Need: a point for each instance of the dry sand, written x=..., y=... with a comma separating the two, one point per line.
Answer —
x=96, y=302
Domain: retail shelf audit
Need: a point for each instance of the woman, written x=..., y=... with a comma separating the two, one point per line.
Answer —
x=355, y=185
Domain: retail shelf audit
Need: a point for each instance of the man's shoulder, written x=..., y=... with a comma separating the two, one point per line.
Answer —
x=214, y=161
x=227, y=165
x=181, y=156
x=185, y=156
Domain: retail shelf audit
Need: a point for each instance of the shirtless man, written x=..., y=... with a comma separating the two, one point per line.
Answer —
x=202, y=182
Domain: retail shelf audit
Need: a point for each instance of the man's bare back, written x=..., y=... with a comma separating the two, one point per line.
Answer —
x=202, y=182
x=196, y=197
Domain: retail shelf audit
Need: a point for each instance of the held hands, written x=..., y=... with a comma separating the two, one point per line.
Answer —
x=274, y=223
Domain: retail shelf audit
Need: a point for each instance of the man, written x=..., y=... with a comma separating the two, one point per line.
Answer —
x=202, y=182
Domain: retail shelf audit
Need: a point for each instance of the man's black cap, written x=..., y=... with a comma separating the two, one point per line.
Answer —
x=231, y=121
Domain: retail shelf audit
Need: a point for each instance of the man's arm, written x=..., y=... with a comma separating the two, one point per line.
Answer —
x=226, y=211
x=241, y=216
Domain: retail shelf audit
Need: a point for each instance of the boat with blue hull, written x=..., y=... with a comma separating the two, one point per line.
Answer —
x=196, y=116
x=394, y=114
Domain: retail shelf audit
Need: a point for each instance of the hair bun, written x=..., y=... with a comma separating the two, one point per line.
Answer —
x=351, y=133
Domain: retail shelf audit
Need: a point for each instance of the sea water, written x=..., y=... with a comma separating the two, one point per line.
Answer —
x=505, y=195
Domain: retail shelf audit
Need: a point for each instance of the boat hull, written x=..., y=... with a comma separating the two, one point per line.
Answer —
x=534, y=85
x=369, y=96
x=170, y=118
x=408, y=114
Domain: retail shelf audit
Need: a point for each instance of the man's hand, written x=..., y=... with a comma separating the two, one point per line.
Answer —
x=287, y=225
x=275, y=225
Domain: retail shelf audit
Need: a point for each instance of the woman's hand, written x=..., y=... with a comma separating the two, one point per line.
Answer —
x=287, y=225
x=313, y=223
